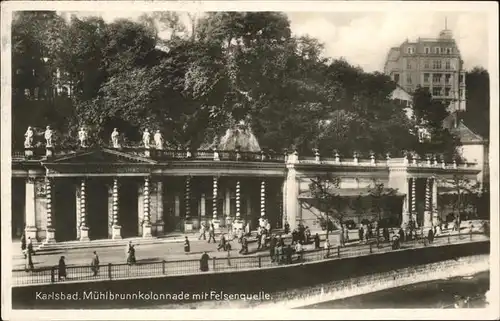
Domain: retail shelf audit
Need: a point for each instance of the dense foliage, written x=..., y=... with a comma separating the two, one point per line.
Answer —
x=195, y=82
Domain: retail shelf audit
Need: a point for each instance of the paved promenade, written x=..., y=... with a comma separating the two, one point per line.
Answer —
x=171, y=250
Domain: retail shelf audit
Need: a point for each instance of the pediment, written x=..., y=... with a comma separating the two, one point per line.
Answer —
x=101, y=156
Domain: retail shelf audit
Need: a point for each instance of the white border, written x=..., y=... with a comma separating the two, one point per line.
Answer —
x=339, y=6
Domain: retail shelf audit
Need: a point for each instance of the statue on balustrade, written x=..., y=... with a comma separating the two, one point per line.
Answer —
x=48, y=136
x=83, y=137
x=114, y=138
x=146, y=138
x=158, y=138
x=28, y=141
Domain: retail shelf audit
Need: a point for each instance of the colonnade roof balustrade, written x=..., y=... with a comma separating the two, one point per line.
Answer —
x=167, y=161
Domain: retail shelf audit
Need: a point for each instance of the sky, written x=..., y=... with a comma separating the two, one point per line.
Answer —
x=364, y=38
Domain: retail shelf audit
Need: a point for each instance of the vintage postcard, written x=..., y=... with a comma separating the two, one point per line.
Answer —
x=191, y=160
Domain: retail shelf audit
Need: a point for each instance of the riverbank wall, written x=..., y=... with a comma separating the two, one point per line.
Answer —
x=286, y=286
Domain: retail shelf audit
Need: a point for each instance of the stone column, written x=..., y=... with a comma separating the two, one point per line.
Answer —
x=227, y=201
x=48, y=198
x=203, y=204
x=406, y=204
x=84, y=230
x=78, y=214
x=30, y=230
x=146, y=219
x=238, y=199
x=238, y=222
x=188, y=225
x=262, y=203
x=414, y=201
x=292, y=193
x=215, y=193
x=435, y=214
x=116, y=227
x=159, y=215
x=427, y=212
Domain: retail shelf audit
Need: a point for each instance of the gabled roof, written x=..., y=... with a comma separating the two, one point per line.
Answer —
x=466, y=135
x=100, y=156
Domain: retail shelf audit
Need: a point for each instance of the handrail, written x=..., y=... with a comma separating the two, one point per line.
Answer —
x=48, y=275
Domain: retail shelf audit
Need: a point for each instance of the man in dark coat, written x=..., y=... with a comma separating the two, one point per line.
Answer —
x=244, y=246
x=288, y=254
x=94, y=265
x=211, y=233
x=131, y=254
x=287, y=228
x=62, y=269
x=23, y=244
x=222, y=244
x=272, y=247
x=29, y=253
x=401, y=235
x=361, y=233
x=187, y=246
x=316, y=241
x=385, y=233
x=430, y=236
x=204, y=262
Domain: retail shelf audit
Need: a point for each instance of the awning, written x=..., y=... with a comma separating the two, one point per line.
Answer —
x=346, y=192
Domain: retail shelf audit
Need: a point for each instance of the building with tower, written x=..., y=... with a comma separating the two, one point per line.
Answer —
x=432, y=63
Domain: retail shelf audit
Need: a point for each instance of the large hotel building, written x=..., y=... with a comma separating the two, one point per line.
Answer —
x=432, y=63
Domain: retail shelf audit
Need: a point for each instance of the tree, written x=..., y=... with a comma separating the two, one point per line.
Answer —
x=477, y=114
x=464, y=194
x=327, y=201
x=430, y=114
x=380, y=199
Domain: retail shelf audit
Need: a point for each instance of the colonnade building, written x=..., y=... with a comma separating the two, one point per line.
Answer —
x=105, y=192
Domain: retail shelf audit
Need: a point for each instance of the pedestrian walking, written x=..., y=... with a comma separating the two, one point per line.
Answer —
x=272, y=247
x=94, y=265
x=222, y=243
x=385, y=233
x=29, y=256
x=263, y=241
x=361, y=232
x=204, y=262
x=187, y=246
x=211, y=233
x=430, y=236
x=131, y=254
x=341, y=237
x=327, y=247
x=289, y=252
x=23, y=244
x=203, y=231
x=62, y=269
x=316, y=241
x=401, y=234
x=287, y=228
x=244, y=246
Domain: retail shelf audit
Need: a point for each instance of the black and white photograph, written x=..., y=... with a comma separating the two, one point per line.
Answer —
x=177, y=160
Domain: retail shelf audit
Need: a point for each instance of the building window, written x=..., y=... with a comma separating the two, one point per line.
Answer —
x=426, y=77
x=408, y=64
x=437, y=50
x=408, y=79
x=427, y=50
x=396, y=78
x=447, y=65
x=426, y=88
x=410, y=50
x=436, y=78
x=449, y=51
x=436, y=91
x=447, y=92
x=436, y=64
x=447, y=78
x=426, y=64
x=461, y=79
